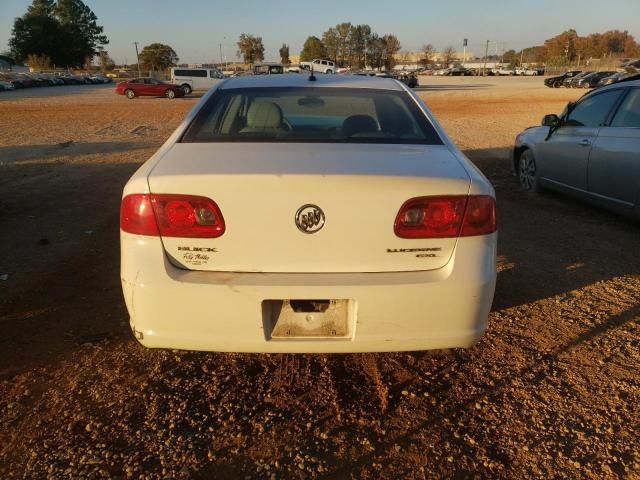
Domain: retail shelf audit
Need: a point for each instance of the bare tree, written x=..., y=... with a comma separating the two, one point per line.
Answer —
x=448, y=56
x=105, y=62
x=428, y=51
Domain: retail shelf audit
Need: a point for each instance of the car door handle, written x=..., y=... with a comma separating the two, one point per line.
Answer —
x=585, y=142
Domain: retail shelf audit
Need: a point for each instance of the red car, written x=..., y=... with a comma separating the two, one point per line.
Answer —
x=140, y=87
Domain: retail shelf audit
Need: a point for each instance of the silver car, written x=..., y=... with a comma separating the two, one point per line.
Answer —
x=591, y=151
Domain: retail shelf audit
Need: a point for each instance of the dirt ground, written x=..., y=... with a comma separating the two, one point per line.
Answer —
x=551, y=391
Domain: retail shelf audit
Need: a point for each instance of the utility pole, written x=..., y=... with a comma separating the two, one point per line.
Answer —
x=138, y=58
x=220, y=46
x=464, y=50
x=486, y=54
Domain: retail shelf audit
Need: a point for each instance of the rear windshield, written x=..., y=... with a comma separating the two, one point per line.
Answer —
x=334, y=115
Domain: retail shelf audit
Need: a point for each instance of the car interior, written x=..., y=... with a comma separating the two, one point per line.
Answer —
x=310, y=116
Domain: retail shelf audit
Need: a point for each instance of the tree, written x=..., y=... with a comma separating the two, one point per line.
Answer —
x=250, y=48
x=43, y=8
x=447, y=56
x=391, y=46
x=343, y=32
x=563, y=45
x=67, y=32
x=37, y=32
x=284, y=54
x=82, y=34
x=158, y=56
x=375, y=51
x=38, y=62
x=331, y=43
x=427, y=51
x=105, y=62
x=359, y=39
x=313, y=48
x=510, y=57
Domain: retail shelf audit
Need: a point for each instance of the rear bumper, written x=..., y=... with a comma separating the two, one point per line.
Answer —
x=216, y=311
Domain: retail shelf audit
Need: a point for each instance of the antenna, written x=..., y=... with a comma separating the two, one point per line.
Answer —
x=312, y=77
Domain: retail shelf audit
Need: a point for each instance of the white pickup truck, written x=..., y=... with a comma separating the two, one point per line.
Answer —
x=318, y=65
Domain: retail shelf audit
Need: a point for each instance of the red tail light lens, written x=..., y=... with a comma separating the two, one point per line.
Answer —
x=171, y=216
x=446, y=217
x=136, y=215
x=480, y=216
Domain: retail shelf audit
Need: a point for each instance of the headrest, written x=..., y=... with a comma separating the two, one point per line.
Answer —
x=264, y=115
x=359, y=124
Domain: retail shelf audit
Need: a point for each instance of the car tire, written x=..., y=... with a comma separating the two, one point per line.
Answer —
x=130, y=94
x=329, y=71
x=527, y=172
x=187, y=89
x=170, y=93
x=557, y=84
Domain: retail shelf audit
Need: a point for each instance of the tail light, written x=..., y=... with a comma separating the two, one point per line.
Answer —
x=446, y=217
x=171, y=215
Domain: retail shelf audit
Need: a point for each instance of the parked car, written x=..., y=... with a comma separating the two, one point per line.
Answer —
x=53, y=79
x=528, y=72
x=591, y=151
x=611, y=79
x=557, y=81
x=27, y=81
x=572, y=81
x=148, y=87
x=99, y=78
x=6, y=86
x=191, y=79
x=459, y=72
x=12, y=79
x=319, y=65
x=409, y=79
x=293, y=69
x=619, y=77
x=592, y=80
x=504, y=71
x=268, y=69
x=283, y=212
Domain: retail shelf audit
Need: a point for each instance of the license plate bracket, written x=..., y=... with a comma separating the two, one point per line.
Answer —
x=299, y=319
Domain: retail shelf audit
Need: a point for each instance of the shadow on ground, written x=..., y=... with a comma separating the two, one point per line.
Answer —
x=21, y=153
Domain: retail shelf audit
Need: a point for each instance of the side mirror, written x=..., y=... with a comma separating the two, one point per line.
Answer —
x=550, y=120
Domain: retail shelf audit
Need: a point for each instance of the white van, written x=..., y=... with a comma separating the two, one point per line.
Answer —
x=195, y=78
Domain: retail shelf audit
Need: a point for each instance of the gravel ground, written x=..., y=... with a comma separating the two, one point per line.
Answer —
x=551, y=391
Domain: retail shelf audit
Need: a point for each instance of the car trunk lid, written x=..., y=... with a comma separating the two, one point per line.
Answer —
x=358, y=190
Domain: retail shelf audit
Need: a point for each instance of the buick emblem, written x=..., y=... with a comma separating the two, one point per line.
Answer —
x=309, y=218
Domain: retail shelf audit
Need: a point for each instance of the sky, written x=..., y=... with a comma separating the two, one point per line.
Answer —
x=198, y=30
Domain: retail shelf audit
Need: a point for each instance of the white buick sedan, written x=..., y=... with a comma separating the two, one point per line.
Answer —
x=289, y=213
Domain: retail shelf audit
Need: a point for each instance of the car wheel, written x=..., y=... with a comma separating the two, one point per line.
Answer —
x=130, y=94
x=329, y=71
x=187, y=89
x=527, y=172
x=170, y=93
x=557, y=84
